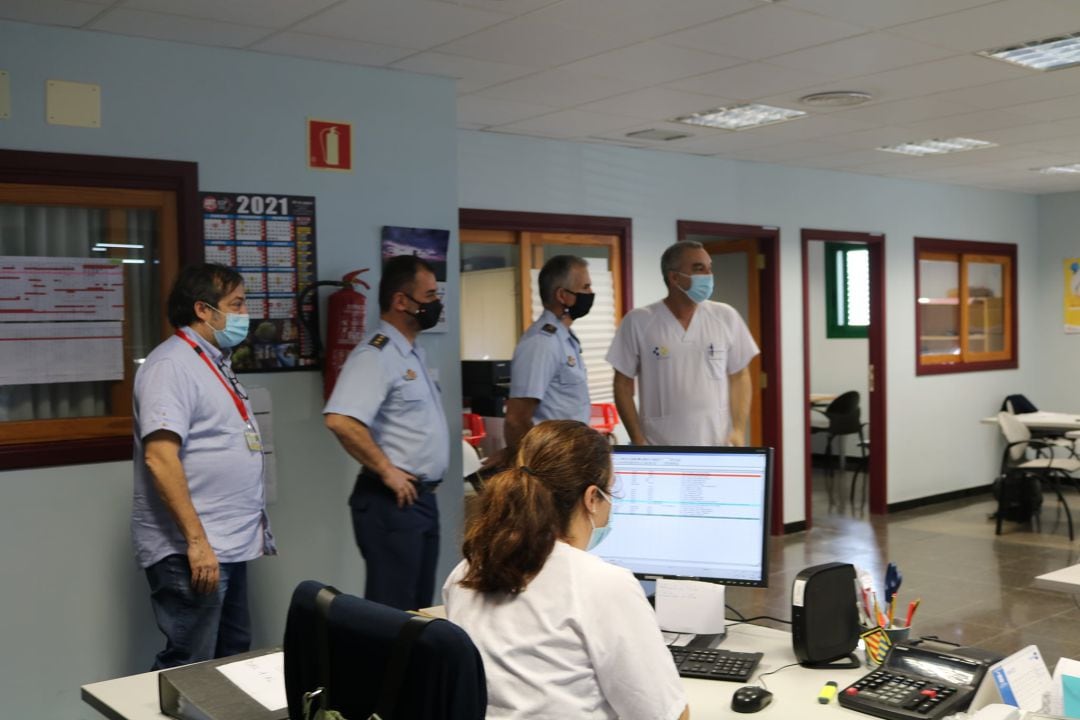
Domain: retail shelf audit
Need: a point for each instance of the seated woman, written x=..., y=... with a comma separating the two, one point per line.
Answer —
x=563, y=634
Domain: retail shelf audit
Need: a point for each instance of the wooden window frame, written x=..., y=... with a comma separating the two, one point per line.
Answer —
x=835, y=303
x=112, y=183
x=964, y=252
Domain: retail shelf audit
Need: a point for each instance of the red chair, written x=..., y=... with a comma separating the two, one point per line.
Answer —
x=472, y=429
x=604, y=418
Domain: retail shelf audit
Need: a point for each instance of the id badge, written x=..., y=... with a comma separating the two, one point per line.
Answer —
x=253, y=442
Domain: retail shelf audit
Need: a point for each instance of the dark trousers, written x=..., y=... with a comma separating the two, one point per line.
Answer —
x=198, y=627
x=400, y=546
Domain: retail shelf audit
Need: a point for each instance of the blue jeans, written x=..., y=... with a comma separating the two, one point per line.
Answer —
x=198, y=627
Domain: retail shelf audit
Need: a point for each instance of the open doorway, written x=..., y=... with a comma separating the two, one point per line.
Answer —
x=746, y=277
x=844, y=372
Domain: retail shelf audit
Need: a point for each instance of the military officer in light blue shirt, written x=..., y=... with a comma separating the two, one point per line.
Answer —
x=387, y=413
x=547, y=375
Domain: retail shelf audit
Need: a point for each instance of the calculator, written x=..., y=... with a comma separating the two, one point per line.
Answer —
x=916, y=683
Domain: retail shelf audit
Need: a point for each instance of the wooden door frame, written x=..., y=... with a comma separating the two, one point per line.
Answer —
x=875, y=243
x=477, y=219
x=768, y=246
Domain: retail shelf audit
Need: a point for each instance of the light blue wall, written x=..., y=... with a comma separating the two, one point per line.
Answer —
x=935, y=439
x=1055, y=386
x=73, y=606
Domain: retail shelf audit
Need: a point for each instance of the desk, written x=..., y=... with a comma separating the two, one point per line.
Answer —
x=1065, y=580
x=795, y=689
x=1045, y=421
x=821, y=399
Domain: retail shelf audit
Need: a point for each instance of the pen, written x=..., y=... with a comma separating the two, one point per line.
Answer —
x=911, y=608
x=877, y=611
x=827, y=693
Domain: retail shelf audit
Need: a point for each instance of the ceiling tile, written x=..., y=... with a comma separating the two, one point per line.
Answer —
x=934, y=77
x=261, y=13
x=566, y=124
x=1026, y=89
x=749, y=81
x=763, y=32
x=50, y=12
x=655, y=103
x=416, y=24
x=471, y=74
x=527, y=41
x=862, y=55
x=997, y=24
x=842, y=160
x=873, y=138
x=904, y=111
x=966, y=124
x=484, y=111
x=786, y=152
x=559, y=88
x=318, y=47
x=178, y=29
x=1049, y=110
x=509, y=7
x=883, y=13
x=636, y=20
x=652, y=62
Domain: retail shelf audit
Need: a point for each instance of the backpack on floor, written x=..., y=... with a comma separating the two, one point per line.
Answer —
x=1019, y=496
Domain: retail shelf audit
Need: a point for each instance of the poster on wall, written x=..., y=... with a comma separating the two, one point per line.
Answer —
x=427, y=244
x=270, y=241
x=1072, y=296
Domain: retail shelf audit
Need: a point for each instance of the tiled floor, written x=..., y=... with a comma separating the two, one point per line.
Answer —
x=976, y=588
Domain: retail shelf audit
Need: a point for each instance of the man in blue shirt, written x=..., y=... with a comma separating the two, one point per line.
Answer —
x=547, y=375
x=199, y=510
x=387, y=413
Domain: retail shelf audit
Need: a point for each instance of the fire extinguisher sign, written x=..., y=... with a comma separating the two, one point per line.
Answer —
x=329, y=145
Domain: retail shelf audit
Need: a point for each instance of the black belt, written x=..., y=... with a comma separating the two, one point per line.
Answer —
x=422, y=486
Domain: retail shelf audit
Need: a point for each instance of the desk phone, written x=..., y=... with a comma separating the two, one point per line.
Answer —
x=916, y=682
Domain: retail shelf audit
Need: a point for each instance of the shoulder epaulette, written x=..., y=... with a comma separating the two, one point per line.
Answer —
x=379, y=341
x=549, y=328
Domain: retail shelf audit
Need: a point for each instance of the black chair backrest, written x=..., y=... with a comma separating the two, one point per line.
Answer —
x=445, y=672
x=843, y=413
x=1016, y=404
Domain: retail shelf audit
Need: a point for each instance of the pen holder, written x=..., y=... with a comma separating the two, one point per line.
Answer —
x=876, y=650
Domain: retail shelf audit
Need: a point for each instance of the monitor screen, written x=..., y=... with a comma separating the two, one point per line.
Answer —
x=692, y=513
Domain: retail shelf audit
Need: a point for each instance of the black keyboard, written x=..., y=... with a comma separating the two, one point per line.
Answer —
x=714, y=664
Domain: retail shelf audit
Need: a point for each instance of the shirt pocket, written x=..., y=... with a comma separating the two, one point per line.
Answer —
x=716, y=362
x=568, y=376
x=411, y=391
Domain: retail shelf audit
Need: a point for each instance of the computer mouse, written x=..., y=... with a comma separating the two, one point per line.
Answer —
x=750, y=699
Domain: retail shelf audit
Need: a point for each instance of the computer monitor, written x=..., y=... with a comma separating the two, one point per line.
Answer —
x=691, y=513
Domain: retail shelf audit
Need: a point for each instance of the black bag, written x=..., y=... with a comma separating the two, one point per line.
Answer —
x=1019, y=495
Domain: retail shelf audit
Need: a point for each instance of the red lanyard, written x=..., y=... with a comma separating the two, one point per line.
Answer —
x=232, y=393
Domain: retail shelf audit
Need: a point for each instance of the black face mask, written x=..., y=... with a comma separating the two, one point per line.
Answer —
x=582, y=304
x=428, y=314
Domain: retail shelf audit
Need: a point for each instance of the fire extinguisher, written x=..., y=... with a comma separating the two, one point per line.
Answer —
x=344, y=323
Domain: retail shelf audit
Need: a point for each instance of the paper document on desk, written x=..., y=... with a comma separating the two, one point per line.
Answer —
x=690, y=606
x=263, y=678
x=1023, y=680
x=1065, y=694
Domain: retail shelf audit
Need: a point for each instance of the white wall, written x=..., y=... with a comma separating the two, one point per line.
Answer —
x=929, y=417
x=73, y=605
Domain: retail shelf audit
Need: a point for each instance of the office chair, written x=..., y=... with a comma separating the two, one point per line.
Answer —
x=362, y=657
x=863, y=469
x=1050, y=469
x=843, y=417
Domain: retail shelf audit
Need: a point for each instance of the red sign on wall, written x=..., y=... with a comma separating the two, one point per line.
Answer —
x=329, y=145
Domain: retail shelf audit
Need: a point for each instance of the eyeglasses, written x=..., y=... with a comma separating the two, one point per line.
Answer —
x=610, y=497
x=233, y=380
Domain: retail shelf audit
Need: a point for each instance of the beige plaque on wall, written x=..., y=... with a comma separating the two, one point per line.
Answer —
x=72, y=103
x=5, y=95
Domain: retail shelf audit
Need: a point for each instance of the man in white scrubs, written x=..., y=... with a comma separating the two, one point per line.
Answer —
x=691, y=356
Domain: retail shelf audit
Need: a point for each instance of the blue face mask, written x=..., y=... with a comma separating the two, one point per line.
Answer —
x=599, y=533
x=701, y=287
x=236, y=329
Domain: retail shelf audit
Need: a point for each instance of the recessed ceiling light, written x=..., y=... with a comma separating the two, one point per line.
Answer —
x=836, y=98
x=1059, y=169
x=654, y=134
x=1052, y=54
x=740, y=117
x=938, y=146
